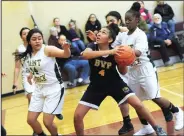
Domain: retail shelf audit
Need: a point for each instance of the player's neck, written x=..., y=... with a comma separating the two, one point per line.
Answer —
x=58, y=26
x=131, y=31
x=103, y=47
x=25, y=43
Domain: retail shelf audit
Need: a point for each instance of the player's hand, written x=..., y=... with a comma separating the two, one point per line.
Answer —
x=91, y=35
x=168, y=42
x=95, y=32
x=29, y=78
x=3, y=75
x=123, y=29
x=66, y=45
x=117, y=50
x=14, y=88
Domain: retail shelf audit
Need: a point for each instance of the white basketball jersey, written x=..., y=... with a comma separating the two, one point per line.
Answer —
x=44, y=69
x=138, y=41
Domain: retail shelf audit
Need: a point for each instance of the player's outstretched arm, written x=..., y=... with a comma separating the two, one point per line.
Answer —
x=52, y=51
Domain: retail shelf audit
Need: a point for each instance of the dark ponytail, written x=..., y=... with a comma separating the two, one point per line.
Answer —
x=135, y=10
x=114, y=30
x=19, y=56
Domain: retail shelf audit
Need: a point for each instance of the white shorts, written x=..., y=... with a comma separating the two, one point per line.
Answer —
x=143, y=80
x=27, y=87
x=48, y=98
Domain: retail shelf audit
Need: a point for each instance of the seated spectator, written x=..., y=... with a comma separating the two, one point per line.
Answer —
x=53, y=39
x=72, y=64
x=61, y=28
x=167, y=14
x=146, y=16
x=92, y=24
x=160, y=38
x=77, y=37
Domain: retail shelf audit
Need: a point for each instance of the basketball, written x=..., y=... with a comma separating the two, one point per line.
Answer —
x=127, y=57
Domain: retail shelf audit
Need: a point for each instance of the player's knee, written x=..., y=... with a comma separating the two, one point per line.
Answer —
x=167, y=114
x=138, y=106
x=30, y=121
x=47, y=123
x=78, y=117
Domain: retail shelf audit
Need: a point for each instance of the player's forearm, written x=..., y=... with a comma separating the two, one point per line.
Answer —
x=16, y=75
x=122, y=69
x=67, y=53
x=95, y=54
x=137, y=53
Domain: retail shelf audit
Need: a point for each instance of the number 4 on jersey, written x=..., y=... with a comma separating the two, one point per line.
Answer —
x=101, y=72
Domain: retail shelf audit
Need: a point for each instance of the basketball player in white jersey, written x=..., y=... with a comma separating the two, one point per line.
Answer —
x=20, y=65
x=48, y=96
x=142, y=76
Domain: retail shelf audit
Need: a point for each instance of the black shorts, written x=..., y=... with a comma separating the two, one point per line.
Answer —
x=94, y=95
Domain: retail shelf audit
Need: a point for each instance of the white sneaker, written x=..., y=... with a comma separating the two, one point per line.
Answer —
x=179, y=120
x=147, y=129
x=80, y=80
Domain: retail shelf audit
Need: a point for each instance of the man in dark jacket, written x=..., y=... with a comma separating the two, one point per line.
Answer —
x=167, y=14
x=160, y=37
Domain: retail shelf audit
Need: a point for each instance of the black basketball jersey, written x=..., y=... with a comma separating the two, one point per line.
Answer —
x=103, y=69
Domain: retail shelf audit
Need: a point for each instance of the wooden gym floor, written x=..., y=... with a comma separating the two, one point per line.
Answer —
x=105, y=121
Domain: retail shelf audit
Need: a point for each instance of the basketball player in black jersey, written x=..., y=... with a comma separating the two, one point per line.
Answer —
x=105, y=80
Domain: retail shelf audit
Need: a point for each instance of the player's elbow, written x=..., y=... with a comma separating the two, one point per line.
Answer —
x=137, y=53
x=85, y=55
x=123, y=69
x=123, y=72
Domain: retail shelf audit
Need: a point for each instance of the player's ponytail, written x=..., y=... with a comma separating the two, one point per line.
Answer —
x=135, y=10
x=114, y=30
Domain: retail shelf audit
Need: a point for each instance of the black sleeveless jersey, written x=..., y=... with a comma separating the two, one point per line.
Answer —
x=103, y=69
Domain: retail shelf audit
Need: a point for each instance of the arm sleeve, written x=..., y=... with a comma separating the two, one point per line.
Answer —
x=87, y=27
x=171, y=13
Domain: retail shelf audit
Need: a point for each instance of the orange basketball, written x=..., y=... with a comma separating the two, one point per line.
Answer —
x=127, y=57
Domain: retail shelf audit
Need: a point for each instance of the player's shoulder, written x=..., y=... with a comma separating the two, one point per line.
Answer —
x=140, y=33
x=21, y=48
x=92, y=45
x=122, y=34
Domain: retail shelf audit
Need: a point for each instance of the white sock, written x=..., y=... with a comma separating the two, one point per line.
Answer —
x=80, y=80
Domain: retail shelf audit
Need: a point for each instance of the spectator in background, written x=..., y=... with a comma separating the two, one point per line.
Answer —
x=53, y=39
x=160, y=37
x=77, y=37
x=61, y=28
x=145, y=14
x=167, y=14
x=72, y=64
x=92, y=24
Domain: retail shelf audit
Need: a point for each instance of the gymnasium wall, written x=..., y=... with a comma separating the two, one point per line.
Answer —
x=16, y=15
